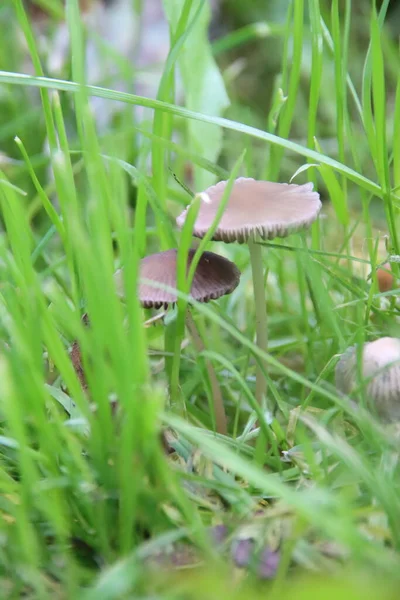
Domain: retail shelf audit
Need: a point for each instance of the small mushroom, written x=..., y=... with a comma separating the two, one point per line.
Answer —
x=385, y=278
x=381, y=366
x=256, y=210
x=215, y=276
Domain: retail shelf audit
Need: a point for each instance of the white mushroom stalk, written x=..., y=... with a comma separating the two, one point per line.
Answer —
x=260, y=307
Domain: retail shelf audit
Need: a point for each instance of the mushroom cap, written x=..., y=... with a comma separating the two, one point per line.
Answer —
x=256, y=209
x=383, y=390
x=385, y=278
x=214, y=277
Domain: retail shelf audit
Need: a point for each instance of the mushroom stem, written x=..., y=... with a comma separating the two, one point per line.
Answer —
x=261, y=315
x=219, y=409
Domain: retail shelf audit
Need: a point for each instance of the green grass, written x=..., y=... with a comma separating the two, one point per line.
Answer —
x=91, y=504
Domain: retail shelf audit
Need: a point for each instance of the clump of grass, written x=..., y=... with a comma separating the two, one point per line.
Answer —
x=92, y=503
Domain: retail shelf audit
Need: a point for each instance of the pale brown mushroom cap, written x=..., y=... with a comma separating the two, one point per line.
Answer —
x=214, y=277
x=384, y=387
x=256, y=209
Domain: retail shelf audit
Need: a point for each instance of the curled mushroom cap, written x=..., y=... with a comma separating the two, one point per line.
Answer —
x=214, y=277
x=383, y=390
x=256, y=209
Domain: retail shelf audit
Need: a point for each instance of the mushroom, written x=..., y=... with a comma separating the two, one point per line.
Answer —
x=381, y=366
x=385, y=278
x=256, y=210
x=215, y=276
